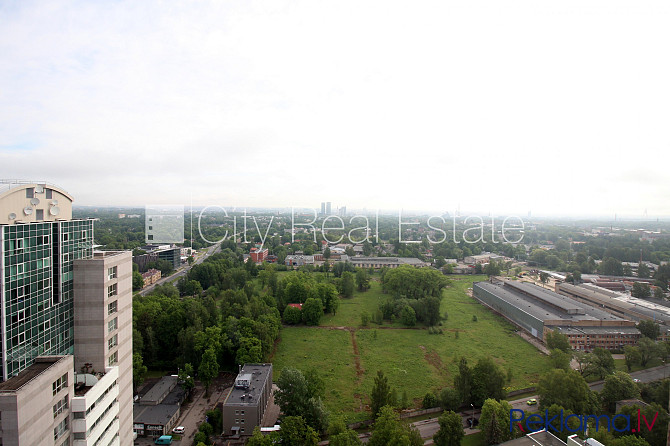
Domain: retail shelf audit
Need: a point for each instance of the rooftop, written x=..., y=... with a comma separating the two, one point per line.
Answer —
x=260, y=374
x=160, y=390
x=40, y=365
x=538, y=307
x=159, y=414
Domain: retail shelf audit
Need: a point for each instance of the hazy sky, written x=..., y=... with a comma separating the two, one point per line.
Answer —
x=559, y=107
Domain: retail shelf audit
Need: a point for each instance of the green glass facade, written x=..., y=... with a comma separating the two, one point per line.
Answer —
x=37, y=289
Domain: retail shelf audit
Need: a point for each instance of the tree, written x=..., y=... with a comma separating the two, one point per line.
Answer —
x=389, y=431
x=559, y=359
x=139, y=370
x=641, y=290
x=408, y=316
x=209, y=368
x=295, y=431
x=631, y=356
x=362, y=280
x=583, y=361
x=300, y=395
x=618, y=386
x=566, y=388
x=259, y=439
x=544, y=277
x=449, y=399
x=649, y=329
x=488, y=381
x=494, y=421
x=380, y=395
x=557, y=340
x=648, y=350
x=658, y=293
x=292, y=315
x=463, y=381
x=603, y=363
x=451, y=430
x=312, y=311
x=340, y=435
x=642, y=271
x=138, y=281
x=186, y=379
x=611, y=267
x=347, y=284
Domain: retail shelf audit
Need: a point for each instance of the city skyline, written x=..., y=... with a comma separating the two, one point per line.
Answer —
x=558, y=109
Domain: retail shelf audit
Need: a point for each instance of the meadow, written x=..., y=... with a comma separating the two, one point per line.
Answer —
x=348, y=355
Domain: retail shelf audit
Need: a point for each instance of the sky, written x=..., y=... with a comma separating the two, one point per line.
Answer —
x=560, y=108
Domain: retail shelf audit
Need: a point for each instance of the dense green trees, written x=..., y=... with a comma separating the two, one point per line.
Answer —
x=494, y=421
x=568, y=389
x=389, y=431
x=618, y=386
x=451, y=429
x=649, y=329
x=485, y=380
x=381, y=394
x=300, y=395
x=312, y=311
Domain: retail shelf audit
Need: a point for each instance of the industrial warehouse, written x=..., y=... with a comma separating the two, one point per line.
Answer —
x=538, y=310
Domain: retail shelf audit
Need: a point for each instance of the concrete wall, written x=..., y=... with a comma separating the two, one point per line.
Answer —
x=27, y=412
x=91, y=319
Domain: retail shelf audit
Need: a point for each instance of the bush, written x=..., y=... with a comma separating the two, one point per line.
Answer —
x=292, y=315
x=365, y=319
x=474, y=318
x=429, y=401
x=408, y=316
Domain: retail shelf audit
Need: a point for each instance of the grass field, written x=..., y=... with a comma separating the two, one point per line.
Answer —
x=348, y=356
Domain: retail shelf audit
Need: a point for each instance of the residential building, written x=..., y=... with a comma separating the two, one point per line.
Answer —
x=258, y=255
x=388, y=262
x=63, y=307
x=151, y=276
x=246, y=402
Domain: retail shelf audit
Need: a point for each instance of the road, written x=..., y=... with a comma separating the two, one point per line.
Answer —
x=428, y=428
x=181, y=271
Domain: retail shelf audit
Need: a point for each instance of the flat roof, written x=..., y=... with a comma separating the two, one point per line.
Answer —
x=159, y=414
x=24, y=377
x=160, y=389
x=261, y=375
x=542, y=311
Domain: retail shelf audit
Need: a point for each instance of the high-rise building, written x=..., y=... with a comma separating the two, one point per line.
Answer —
x=323, y=208
x=65, y=325
x=328, y=208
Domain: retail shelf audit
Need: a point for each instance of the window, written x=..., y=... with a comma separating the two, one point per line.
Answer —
x=60, y=406
x=113, y=342
x=84, y=235
x=150, y=236
x=241, y=412
x=39, y=215
x=112, y=307
x=66, y=237
x=59, y=384
x=60, y=429
x=16, y=246
x=22, y=338
x=111, y=273
x=49, y=194
x=111, y=290
x=30, y=192
x=114, y=358
x=111, y=325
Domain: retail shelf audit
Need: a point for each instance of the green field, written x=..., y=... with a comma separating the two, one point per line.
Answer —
x=414, y=361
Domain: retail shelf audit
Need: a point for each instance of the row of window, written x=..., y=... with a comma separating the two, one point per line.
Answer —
x=60, y=406
x=59, y=384
x=48, y=193
x=60, y=430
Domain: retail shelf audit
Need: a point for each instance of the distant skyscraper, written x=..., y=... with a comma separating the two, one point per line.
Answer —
x=66, y=325
x=343, y=211
x=328, y=210
x=323, y=208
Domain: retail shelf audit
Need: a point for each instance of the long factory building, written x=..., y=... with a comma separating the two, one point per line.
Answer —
x=538, y=310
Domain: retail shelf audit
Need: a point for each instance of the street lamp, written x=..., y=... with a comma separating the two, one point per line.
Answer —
x=472, y=423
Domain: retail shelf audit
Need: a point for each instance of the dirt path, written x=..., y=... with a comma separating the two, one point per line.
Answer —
x=357, y=357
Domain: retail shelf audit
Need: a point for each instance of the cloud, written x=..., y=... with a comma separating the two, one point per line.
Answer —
x=381, y=104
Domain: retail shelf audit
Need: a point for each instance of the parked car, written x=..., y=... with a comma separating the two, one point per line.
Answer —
x=635, y=380
x=178, y=430
x=531, y=402
x=163, y=439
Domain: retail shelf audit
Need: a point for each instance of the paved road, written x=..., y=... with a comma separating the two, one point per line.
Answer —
x=428, y=428
x=181, y=271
